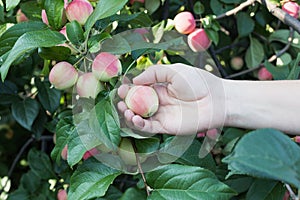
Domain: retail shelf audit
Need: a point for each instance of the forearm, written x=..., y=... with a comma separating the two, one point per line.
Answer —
x=263, y=104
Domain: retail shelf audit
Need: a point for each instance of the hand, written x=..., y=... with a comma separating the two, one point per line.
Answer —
x=188, y=98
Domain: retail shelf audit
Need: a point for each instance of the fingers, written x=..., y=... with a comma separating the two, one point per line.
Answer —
x=123, y=90
x=155, y=74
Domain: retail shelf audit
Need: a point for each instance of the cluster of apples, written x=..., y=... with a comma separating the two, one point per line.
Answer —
x=105, y=66
x=197, y=39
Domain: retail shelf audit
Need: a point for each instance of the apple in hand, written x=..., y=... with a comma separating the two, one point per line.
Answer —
x=142, y=100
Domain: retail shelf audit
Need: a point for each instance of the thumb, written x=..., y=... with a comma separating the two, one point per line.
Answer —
x=154, y=74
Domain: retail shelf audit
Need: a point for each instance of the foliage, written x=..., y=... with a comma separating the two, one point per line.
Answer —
x=244, y=164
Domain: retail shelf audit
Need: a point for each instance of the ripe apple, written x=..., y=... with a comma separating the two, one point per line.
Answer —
x=62, y=195
x=79, y=10
x=237, y=63
x=291, y=8
x=142, y=100
x=64, y=153
x=198, y=40
x=21, y=17
x=90, y=153
x=106, y=66
x=264, y=74
x=184, y=22
x=63, y=75
x=88, y=86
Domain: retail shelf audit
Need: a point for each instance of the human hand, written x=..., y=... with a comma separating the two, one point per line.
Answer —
x=188, y=100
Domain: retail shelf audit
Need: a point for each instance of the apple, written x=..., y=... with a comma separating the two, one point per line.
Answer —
x=106, y=66
x=291, y=8
x=62, y=195
x=21, y=17
x=198, y=40
x=142, y=100
x=79, y=10
x=237, y=63
x=64, y=153
x=88, y=86
x=184, y=22
x=141, y=1
x=264, y=74
x=90, y=153
x=297, y=139
x=63, y=75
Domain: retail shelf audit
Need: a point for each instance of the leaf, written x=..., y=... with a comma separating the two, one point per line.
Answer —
x=186, y=182
x=11, y=4
x=199, y=8
x=134, y=193
x=269, y=159
x=90, y=180
x=40, y=164
x=30, y=41
x=295, y=71
x=75, y=32
x=30, y=181
x=49, y=97
x=58, y=53
x=78, y=139
x=255, y=53
x=282, y=35
x=25, y=112
x=279, y=72
x=245, y=24
x=104, y=8
x=265, y=189
x=152, y=6
x=104, y=121
x=55, y=12
x=8, y=39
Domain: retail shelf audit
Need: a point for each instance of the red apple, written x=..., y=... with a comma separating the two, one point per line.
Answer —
x=62, y=195
x=64, y=153
x=90, y=153
x=142, y=100
x=291, y=8
x=63, y=75
x=264, y=74
x=141, y=1
x=79, y=10
x=184, y=22
x=198, y=40
x=21, y=17
x=106, y=66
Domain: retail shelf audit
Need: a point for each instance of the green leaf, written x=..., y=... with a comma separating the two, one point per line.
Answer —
x=266, y=189
x=11, y=4
x=90, y=180
x=269, y=159
x=40, y=164
x=295, y=71
x=8, y=39
x=255, y=53
x=278, y=72
x=199, y=8
x=55, y=12
x=232, y=1
x=213, y=35
x=104, y=121
x=147, y=146
x=18, y=194
x=25, y=112
x=49, y=97
x=116, y=45
x=30, y=181
x=104, y=8
x=152, y=6
x=245, y=24
x=75, y=32
x=186, y=182
x=57, y=53
x=282, y=35
x=30, y=41
x=111, y=194
x=134, y=193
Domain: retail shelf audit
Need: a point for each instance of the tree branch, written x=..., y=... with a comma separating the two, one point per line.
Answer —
x=237, y=9
x=281, y=15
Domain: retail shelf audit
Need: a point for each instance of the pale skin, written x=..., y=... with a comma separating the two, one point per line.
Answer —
x=193, y=100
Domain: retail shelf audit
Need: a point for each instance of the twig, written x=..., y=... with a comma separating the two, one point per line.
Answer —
x=237, y=9
x=292, y=194
x=219, y=66
x=271, y=59
x=281, y=15
x=148, y=189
